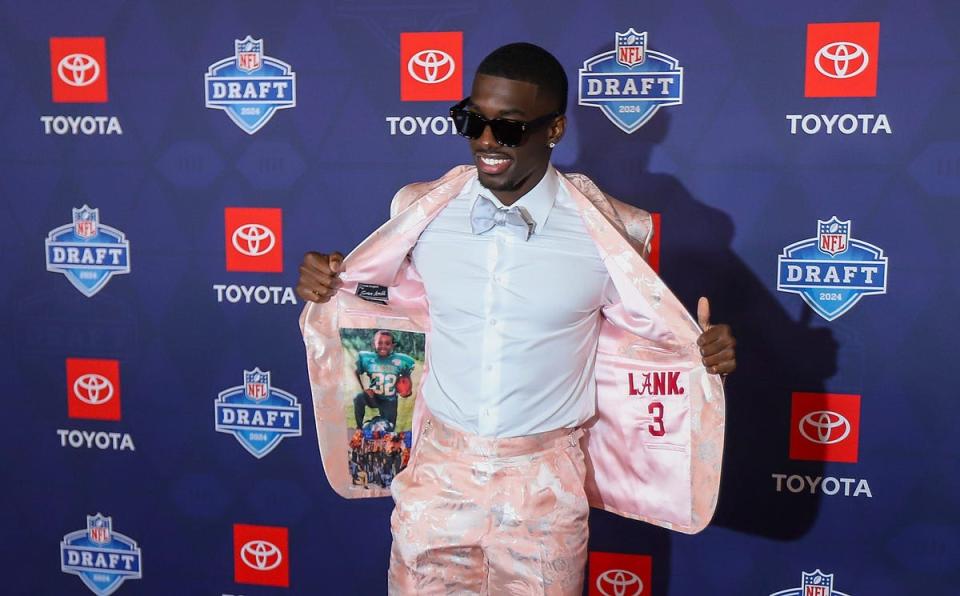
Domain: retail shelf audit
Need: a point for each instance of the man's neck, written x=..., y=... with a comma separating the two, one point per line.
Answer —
x=509, y=197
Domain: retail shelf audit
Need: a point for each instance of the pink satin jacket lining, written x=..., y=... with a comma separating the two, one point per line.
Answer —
x=664, y=470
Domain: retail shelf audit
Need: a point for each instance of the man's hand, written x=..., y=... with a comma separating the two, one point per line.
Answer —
x=716, y=342
x=319, y=276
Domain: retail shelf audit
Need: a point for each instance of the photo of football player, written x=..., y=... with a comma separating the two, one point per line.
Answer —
x=388, y=376
x=378, y=401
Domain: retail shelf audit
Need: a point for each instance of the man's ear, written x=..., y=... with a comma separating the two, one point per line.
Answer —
x=557, y=128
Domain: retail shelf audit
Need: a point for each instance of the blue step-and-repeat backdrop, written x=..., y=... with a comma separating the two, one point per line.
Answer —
x=164, y=166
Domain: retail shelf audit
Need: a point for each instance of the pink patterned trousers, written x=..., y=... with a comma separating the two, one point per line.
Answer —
x=477, y=515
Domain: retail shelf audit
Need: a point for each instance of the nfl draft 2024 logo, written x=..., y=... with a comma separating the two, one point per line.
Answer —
x=813, y=584
x=102, y=558
x=832, y=271
x=257, y=414
x=250, y=86
x=87, y=252
x=631, y=82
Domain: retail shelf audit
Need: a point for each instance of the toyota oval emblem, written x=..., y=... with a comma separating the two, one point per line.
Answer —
x=253, y=240
x=835, y=59
x=78, y=70
x=824, y=427
x=93, y=389
x=431, y=66
x=261, y=555
x=619, y=582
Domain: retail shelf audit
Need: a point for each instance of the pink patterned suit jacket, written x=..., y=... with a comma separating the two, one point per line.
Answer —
x=655, y=445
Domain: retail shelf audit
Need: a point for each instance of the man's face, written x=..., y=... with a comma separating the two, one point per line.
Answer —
x=383, y=345
x=512, y=171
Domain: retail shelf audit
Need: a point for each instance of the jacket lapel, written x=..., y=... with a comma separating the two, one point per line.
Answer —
x=631, y=274
x=379, y=258
x=670, y=479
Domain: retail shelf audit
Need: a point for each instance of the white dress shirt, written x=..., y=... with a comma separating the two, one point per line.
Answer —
x=514, y=323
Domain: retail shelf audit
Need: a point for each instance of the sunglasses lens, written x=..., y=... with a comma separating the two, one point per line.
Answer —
x=468, y=124
x=473, y=129
x=507, y=133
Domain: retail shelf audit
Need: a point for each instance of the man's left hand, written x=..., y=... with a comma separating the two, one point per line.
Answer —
x=716, y=342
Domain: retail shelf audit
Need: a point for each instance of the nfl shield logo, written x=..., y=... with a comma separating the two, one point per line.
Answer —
x=817, y=584
x=833, y=235
x=101, y=558
x=256, y=384
x=257, y=414
x=268, y=85
x=249, y=53
x=98, y=528
x=85, y=222
x=630, y=47
x=630, y=82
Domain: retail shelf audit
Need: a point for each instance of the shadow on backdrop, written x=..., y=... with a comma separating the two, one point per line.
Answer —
x=776, y=355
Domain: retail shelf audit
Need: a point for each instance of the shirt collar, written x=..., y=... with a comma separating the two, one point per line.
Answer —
x=538, y=201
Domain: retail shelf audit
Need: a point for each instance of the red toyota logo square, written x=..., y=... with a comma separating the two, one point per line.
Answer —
x=78, y=69
x=93, y=389
x=654, y=258
x=842, y=59
x=261, y=555
x=254, y=239
x=825, y=427
x=431, y=66
x=618, y=574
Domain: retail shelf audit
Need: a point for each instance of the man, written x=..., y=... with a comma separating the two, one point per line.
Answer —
x=523, y=278
x=383, y=369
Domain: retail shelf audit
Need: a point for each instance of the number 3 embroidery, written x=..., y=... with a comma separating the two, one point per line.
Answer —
x=656, y=408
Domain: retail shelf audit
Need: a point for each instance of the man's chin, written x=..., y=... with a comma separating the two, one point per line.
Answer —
x=497, y=182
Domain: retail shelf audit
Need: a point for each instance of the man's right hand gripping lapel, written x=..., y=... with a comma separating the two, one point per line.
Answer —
x=319, y=276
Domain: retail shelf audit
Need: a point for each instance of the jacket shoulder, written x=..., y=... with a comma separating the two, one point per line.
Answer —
x=637, y=223
x=407, y=195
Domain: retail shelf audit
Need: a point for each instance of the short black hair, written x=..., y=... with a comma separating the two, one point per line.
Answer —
x=527, y=62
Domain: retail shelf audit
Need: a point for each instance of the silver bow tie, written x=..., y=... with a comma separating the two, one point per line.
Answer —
x=485, y=215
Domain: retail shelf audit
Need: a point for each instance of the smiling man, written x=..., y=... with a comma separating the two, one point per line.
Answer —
x=524, y=271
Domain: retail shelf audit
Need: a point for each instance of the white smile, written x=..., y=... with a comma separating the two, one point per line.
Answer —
x=490, y=161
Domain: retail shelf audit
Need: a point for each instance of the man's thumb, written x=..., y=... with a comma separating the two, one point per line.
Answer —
x=703, y=313
x=336, y=262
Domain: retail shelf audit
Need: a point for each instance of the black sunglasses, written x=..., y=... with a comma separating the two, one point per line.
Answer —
x=508, y=133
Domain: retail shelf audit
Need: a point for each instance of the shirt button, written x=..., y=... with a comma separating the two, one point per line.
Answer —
x=493, y=322
x=489, y=367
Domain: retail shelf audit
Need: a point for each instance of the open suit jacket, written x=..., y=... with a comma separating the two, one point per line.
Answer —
x=654, y=447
